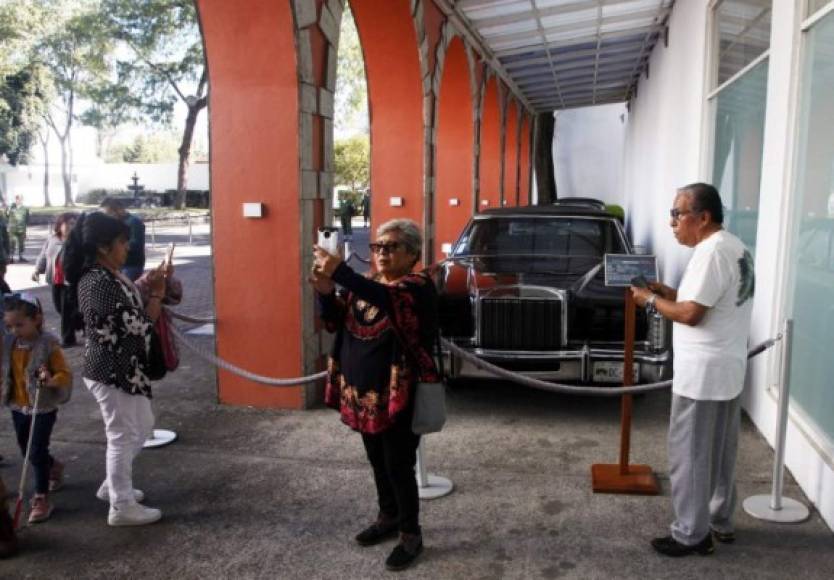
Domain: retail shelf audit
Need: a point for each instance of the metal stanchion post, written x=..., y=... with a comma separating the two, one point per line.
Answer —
x=153, y=233
x=190, y=237
x=774, y=507
x=430, y=486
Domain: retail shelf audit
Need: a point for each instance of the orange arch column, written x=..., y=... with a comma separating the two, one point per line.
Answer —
x=490, y=159
x=395, y=100
x=524, y=161
x=455, y=133
x=511, y=155
x=254, y=116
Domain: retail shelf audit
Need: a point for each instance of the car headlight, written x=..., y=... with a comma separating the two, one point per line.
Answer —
x=657, y=332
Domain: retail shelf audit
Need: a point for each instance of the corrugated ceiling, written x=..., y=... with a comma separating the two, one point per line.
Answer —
x=569, y=53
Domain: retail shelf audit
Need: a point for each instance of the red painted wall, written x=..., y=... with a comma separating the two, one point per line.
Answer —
x=524, y=162
x=511, y=156
x=490, y=161
x=455, y=134
x=254, y=157
x=395, y=100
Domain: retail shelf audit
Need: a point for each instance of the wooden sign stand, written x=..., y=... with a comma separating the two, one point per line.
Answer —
x=622, y=477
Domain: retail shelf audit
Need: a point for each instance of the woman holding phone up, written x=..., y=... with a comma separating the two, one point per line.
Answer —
x=385, y=327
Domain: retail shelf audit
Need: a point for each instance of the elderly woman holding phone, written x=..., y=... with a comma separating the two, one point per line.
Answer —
x=385, y=327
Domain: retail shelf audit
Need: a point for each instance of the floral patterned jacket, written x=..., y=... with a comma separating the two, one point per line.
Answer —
x=384, y=338
x=118, y=331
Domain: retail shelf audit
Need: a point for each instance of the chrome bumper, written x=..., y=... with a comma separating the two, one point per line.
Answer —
x=568, y=365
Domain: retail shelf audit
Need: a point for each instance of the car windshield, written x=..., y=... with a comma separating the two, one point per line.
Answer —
x=537, y=236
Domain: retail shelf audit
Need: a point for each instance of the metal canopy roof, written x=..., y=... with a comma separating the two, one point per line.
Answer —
x=569, y=53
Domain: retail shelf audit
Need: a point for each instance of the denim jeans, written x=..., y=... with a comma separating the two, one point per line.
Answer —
x=39, y=456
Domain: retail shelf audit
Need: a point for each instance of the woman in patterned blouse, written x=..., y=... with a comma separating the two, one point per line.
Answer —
x=119, y=328
x=385, y=327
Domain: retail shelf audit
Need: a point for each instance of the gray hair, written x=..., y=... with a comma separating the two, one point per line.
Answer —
x=409, y=232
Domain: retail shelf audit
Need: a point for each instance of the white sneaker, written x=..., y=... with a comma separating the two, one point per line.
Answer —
x=132, y=514
x=103, y=493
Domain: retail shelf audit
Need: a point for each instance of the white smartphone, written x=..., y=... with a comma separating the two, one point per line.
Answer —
x=169, y=254
x=329, y=240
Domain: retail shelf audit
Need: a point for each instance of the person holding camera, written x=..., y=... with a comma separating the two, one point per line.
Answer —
x=119, y=329
x=711, y=313
x=385, y=327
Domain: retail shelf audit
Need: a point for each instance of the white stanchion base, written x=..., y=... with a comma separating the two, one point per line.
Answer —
x=204, y=330
x=161, y=438
x=437, y=487
x=792, y=511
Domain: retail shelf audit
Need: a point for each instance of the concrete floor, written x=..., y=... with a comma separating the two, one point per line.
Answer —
x=249, y=493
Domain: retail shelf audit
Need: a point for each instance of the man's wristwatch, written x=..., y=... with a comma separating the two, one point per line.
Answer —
x=650, y=307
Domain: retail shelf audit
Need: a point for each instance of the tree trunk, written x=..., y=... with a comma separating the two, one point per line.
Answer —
x=185, y=151
x=543, y=147
x=65, y=171
x=45, y=143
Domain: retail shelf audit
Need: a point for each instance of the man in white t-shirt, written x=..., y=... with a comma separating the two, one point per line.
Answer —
x=711, y=320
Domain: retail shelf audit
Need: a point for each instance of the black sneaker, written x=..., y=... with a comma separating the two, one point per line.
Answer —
x=668, y=546
x=724, y=537
x=377, y=532
x=405, y=552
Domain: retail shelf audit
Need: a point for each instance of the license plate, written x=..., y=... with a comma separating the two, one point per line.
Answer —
x=612, y=372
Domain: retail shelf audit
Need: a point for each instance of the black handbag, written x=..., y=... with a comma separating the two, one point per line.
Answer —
x=156, y=368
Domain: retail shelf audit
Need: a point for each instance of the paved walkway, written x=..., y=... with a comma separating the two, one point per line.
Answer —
x=249, y=493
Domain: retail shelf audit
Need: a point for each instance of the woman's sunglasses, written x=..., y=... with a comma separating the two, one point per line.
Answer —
x=386, y=248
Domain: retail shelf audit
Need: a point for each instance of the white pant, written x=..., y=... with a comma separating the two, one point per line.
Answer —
x=128, y=423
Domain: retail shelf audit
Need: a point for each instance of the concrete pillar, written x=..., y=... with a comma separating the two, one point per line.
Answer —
x=511, y=154
x=395, y=98
x=490, y=159
x=454, y=148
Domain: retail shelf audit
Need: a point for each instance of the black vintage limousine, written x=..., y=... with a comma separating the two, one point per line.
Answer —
x=524, y=288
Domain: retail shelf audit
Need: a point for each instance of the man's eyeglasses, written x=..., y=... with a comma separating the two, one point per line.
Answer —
x=676, y=213
x=386, y=248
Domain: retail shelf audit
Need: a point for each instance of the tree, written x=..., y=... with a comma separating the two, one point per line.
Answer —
x=161, y=60
x=22, y=105
x=351, y=99
x=353, y=161
x=76, y=51
x=25, y=86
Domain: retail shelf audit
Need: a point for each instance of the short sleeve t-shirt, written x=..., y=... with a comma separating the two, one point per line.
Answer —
x=711, y=357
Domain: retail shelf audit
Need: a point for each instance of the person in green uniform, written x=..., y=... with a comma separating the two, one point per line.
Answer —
x=18, y=219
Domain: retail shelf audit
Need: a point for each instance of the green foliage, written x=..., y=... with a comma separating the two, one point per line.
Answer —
x=96, y=196
x=353, y=162
x=153, y=148
x=24, y=96
x=351, y=99
x=160, y=51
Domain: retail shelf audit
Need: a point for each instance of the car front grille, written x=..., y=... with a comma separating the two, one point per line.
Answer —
x=528, y=324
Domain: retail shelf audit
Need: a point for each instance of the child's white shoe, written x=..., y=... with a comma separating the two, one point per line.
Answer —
x=133, y=514
x=103, y=493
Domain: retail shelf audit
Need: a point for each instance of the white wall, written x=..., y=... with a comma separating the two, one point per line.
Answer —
x=663, y=136
x=667, y=145
x=27, y=180
x=588, y=152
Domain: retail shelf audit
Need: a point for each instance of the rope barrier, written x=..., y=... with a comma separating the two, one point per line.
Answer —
x=475, y=360
x=574, y=389
x=218, y=362
x=186, y=318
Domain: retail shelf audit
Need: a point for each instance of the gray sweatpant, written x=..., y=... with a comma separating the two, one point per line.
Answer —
x=703, y=443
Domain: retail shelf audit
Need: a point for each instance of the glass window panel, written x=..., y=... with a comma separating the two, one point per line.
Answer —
x=812, y=365
x=743, y=34
x=737, y=162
